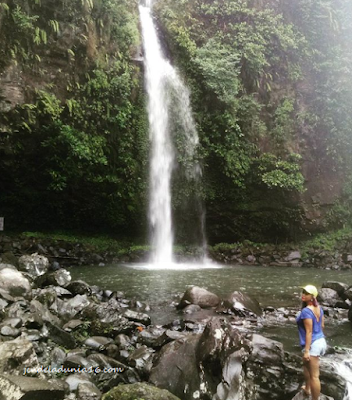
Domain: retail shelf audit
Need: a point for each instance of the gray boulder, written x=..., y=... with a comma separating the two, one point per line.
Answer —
x=348, y=294
x=221, y=353
x=266, y=351
x=176, y=368
x=264, y=370
x=23, y=388
x=199, y=296
x=242, y=304
x=73, y=380
x=339, y=287
x=14, y=283
x=35, y=265
x=60, y=277
x=88, y=391
x=112, y=372
x=135, y=391
x=98, y=343
x=60, y=336
x=294, y=255
x=137, y=317
x=79, y=287
x=42, y=314
x=16, y=355
x=150, y=335
x=142, y=360
x=328, y=297
x=302, y=396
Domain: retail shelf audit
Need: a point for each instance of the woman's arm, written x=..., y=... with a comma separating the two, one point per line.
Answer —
x=308, y=326
x=323, y=323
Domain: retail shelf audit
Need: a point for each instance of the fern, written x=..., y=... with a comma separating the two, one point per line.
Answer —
x=4, y=7
x=54, y=25
x=71, y=53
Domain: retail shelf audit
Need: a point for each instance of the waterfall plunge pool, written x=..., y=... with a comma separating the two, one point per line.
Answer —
x=271, y=286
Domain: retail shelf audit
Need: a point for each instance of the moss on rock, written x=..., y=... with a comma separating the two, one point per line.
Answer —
x=138, y=391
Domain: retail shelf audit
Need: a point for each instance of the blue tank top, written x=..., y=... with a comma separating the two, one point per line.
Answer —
x=317, y=331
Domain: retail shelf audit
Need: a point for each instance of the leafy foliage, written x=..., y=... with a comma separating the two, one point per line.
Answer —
x=81, y=136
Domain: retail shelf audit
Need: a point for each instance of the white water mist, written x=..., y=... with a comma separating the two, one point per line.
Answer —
x=164, y=86
x=344, y=369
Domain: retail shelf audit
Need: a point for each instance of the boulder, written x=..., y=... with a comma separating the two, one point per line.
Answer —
x=138, y=391
x=348, y=294
x=46, y=296
x=192, y=308
x=42, y=314
x=111, y=372
x=168, y=336
x=176, y=368
x=142, y=360
x=137, y=317
x=35, y=265
x=328, y=297
x=242, y=304
x=57, y=357
x=88, y=391
x=79, y=287
x=150, y=335
x=60, y=277
x=265, y=368
x=350, y=314
x=199, y=296
x=14, y=283
x=266, y=351
x=98, y=343
x=73, y=380
x=302, y=396
x=339, y=287
x=60, y=336
x=23, y=387
x=16, y=355
x=294, y=255
x=76, y=361
x=9, y=258
x=9, y=331
x=221, y=353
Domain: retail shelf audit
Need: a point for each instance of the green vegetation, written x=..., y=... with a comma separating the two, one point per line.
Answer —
x=81, y=133
x=271, y=86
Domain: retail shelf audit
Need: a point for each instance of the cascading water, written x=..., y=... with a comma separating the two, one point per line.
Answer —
x=344, y=369
x=164, y=87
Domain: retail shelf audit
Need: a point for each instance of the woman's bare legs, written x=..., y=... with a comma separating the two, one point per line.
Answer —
x=306, y=387
x=315, y=386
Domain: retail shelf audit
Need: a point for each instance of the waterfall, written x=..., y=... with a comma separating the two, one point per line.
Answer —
x=164, y=88
x=344, y=369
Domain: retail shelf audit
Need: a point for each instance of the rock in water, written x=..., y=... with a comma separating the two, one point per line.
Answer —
x=199, y=296
x=138, y=391
x=328, y=297
x=242, y=303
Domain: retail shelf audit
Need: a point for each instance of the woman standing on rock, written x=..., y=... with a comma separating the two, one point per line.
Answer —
x=310, y=323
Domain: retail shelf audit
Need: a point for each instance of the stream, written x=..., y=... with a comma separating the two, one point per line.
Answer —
x=271, y=286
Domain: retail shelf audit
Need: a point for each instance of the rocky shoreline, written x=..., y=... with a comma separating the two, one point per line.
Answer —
x=68, y=253
x=72, y=341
